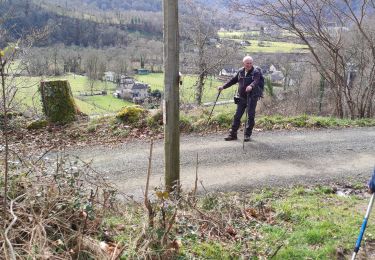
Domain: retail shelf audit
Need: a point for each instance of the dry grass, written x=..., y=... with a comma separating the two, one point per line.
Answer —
x=56, y=210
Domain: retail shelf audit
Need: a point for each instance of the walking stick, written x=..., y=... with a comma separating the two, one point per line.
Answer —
x=363, y=227
x=218, y=94
x=244, y=131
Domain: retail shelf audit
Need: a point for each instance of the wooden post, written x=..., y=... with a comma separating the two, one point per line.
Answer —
x=171, y=94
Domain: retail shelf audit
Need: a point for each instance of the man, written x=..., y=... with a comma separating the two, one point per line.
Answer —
x=249, y=91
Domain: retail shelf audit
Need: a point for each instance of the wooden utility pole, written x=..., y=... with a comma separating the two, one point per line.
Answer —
x=171, y=95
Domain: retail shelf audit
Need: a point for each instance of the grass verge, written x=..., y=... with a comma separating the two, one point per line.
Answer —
x=300, y=223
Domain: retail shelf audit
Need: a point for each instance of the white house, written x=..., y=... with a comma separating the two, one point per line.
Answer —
x=245, y=43
x=109, y=76
x=228, y=71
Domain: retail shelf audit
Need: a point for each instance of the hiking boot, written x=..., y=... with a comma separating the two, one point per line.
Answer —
x=230, y=137
x=246, y=138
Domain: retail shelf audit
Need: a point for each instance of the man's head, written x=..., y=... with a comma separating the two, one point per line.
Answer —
x=247, y=62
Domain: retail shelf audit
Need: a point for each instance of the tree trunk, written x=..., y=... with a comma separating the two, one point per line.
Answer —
x=6, y=136
x=321, y=93
x=58, y=102
x=199, y=89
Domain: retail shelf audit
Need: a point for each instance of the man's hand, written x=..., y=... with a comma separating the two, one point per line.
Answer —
x=220, y=88
x=249, y=88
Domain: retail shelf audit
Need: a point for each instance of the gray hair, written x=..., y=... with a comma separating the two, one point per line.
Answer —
x=247, y=58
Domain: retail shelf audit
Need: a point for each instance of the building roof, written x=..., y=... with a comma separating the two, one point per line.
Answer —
x=139, y=85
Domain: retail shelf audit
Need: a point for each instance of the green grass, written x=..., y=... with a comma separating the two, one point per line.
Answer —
x=298, y=223
x=269, y=46
x=275, y=47
x=106, y=103
x=29, y=96
x=319, y=223
x=237, y=34
x=223, y=115
x=282, y=122
x=88, y=108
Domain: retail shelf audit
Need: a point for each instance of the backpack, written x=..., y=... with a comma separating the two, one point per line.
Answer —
x=261, y=80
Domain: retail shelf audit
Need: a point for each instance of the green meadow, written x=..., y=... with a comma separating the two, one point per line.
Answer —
x=266, y=46
x=28, y=94
x=274, y=47
x=237, y=34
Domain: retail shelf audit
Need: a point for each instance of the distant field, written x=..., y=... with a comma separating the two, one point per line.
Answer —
x=276, y=47
x=107, y=103
x=269, y=46
x=29, y=96
x=237, y=34
x=156, y=81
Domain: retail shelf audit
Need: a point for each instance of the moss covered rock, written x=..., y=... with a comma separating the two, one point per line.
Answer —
x=58, y=102
x=38, y=124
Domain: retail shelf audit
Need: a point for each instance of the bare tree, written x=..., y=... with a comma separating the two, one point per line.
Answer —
x=323, y=25
x=12, y=65
x=94, y=68
x=205, y=54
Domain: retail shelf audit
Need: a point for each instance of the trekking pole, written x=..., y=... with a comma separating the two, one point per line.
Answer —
x=218, y=94
x=363, y=227
x=244, y=131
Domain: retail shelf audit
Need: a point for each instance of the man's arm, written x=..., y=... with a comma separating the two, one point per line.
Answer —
x=231, y=82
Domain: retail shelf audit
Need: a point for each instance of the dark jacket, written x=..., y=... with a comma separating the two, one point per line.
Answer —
x=252, y=78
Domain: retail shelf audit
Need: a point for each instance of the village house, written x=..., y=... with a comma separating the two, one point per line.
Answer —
x=228, y=71
x=109, y=76
x=276, y=75
x=129, y=89
x=245, y=43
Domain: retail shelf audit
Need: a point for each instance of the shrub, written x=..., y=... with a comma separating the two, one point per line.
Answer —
x=155, y=119
x=131, y=114
x=269, y=87
x=223, y=119
x=185, y=124
x=299, y=121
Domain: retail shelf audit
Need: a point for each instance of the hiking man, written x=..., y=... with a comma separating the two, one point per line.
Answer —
x=249, y=91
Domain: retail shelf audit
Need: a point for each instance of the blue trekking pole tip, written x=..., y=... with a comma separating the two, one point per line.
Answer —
x=363, y=227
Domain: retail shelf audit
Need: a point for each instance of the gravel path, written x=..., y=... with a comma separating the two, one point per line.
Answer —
x=277, y=158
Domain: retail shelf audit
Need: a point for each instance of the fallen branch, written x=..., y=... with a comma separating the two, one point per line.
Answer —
x=196, y=178
x=147, y=201
x=10, y=247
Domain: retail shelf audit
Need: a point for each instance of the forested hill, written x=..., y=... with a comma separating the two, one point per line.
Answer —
x=75, y=27
x=87, y=23
x=121, y=5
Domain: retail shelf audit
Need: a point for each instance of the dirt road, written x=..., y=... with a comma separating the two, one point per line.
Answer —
x=277, y=158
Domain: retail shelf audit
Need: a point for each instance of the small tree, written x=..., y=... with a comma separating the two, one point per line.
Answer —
x=205, y=59
x=269, y=87
x=11, y=64
x=95, y=68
